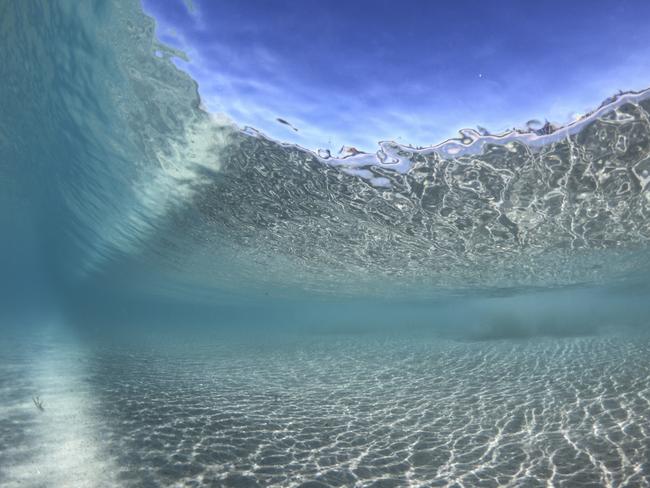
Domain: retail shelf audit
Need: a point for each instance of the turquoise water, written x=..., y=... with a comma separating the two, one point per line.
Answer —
x=195, y=304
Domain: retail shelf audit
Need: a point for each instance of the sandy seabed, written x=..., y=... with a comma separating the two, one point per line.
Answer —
x=327, y=411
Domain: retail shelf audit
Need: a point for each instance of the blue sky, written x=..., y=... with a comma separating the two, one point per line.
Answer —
x=357, y=72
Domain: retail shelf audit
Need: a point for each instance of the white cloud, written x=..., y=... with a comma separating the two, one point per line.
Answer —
x=257, y=89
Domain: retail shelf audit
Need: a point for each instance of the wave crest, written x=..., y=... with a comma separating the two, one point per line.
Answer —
x=138, y=180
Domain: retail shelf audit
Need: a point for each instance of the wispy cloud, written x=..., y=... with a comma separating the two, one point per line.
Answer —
x=345, y=82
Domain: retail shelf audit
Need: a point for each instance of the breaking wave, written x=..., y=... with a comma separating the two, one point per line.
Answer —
x=137, y=183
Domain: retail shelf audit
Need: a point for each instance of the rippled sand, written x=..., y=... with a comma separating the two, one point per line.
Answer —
x=331, y=411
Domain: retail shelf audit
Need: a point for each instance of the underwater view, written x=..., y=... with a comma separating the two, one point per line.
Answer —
x=324, y=244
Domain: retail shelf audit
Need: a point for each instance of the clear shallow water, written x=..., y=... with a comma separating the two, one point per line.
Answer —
x=199, y=304
x=330, y=410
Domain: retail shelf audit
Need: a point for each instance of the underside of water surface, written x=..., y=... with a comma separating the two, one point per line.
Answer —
x=186, y=302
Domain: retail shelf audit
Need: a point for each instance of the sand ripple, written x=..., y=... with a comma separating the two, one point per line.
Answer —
x=561, y=412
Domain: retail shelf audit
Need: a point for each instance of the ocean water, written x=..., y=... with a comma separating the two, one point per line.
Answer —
x=188, y=303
